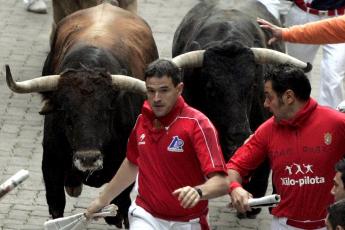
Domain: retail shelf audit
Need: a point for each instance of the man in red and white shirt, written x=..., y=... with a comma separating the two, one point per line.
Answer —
x=303, y=142
x=175, y=150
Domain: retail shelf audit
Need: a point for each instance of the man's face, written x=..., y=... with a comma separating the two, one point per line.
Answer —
x=275, y=104
x=338, y=190
x=162, y=94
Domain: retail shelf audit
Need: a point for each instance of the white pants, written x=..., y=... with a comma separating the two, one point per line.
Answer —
x=140, y=219
x=280, y=224
x=332, y=70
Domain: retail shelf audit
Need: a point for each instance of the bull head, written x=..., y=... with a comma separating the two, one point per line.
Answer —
x=89, y=156
x=262, y=56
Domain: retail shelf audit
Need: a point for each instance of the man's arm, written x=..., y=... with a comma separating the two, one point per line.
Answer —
x=216, y=185
x=325, y=31
x=124, y=177
x=239, y=196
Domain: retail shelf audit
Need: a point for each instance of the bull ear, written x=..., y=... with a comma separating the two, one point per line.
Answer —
x=194, y=46
x=48, y=107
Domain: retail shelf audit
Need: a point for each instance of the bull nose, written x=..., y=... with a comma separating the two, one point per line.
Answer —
x=88, y=160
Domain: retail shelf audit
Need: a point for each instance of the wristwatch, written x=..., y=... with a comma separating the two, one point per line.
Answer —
x=199, y=191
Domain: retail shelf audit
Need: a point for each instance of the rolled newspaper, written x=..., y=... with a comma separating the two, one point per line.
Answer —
x=78, y=221
x=13, y=182
x=266, y=201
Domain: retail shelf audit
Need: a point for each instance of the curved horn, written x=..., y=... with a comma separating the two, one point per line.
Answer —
x=268, y=56
x=40, y=84
x=129, y=83
x=191, y=59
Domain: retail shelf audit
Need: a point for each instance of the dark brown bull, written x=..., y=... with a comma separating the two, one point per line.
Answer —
x=89, y=113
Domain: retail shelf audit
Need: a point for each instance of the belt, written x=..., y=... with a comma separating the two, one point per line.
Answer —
x=305, y=7
x=306, y=224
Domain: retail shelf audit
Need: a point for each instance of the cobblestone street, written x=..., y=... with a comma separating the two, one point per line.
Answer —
x=24, y=44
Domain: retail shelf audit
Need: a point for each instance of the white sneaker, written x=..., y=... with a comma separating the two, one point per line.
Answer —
x=36, y=6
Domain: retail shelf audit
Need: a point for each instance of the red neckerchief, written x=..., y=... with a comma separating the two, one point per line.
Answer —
x=301, y=115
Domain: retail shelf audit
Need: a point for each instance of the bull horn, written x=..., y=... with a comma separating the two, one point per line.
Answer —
x=192, y=59
x=40, y=84
x=268, y=56
x=129, y=83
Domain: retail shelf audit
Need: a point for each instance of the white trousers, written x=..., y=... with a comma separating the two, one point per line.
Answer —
x=332, y=71
x=140, y=219
x=280, y=224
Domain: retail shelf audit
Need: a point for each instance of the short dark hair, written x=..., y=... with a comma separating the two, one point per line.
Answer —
x=340, y=167
x=336, y=214
x=285, y=76
x=162, y=67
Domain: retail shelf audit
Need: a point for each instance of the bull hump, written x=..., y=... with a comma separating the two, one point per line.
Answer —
x=102, y=12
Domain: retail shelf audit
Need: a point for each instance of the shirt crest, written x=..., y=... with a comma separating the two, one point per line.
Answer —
x=328, y=138
x=176, y=145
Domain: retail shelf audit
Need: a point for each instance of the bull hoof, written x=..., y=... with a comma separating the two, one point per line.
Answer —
x=74, y=191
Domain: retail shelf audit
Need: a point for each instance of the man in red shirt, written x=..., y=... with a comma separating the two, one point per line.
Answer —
x=176, y=152
x=303, y=142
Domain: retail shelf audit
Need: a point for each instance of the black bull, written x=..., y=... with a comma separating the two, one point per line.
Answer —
x=227, y=83
x=89, y=113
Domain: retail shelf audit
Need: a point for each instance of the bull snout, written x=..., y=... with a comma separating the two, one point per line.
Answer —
x=88, y=160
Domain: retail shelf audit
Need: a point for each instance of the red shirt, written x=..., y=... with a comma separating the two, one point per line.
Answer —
x=302, y=152
x=182, y=153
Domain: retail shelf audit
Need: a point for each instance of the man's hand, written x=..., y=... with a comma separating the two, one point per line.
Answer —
x=94, y=207
x=239, y=199
x=275, y=30
x=188, y=196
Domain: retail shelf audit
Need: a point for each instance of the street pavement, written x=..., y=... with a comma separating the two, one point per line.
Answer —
x=24, y=44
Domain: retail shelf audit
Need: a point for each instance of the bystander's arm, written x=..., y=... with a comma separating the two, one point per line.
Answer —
x=325, y=31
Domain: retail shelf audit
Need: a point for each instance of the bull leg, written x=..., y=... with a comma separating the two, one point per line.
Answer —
x=123, y=201
x=258, y=185
x=54, y=183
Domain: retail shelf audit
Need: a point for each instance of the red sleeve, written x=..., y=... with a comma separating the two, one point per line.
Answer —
x=250, y=155
x=132, y=146
x=206, y=145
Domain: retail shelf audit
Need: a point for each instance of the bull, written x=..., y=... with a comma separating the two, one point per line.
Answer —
x=225, y=56
x=90, y=107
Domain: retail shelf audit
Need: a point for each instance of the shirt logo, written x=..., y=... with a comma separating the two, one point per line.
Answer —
x=306, y=175
x=328, y=138
x=142, y=141
x=176, y=145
